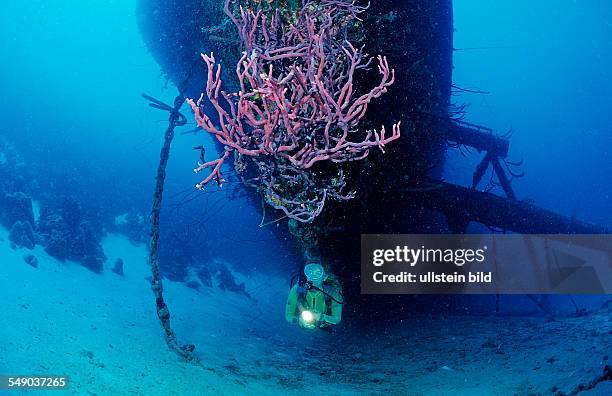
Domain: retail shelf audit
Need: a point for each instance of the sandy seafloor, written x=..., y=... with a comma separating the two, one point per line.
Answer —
x=102, y=332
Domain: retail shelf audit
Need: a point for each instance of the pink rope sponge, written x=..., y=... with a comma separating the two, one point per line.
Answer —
x=296, y=105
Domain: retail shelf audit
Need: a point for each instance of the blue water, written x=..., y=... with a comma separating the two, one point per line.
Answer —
x=71, y=77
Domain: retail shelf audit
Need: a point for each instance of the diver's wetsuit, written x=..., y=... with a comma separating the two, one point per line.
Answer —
x=316, y=301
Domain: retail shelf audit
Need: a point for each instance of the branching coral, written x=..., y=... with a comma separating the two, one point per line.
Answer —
x=297, y=105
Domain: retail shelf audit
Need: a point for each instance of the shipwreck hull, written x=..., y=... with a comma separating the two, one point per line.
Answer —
x=417, y=38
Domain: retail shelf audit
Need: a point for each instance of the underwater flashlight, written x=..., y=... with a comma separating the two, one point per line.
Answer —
x=307, y=316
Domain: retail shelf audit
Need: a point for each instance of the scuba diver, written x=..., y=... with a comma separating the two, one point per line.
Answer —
x=316, y=300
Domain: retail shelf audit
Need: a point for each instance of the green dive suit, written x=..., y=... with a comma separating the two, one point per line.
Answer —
x=326, y=311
